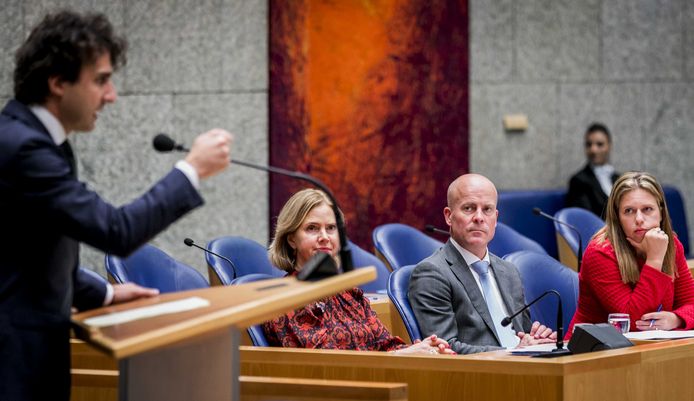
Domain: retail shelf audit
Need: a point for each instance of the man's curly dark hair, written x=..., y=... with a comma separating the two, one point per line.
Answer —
x=59, y=46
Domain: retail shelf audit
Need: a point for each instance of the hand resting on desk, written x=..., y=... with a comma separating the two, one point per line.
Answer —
x=661, y=321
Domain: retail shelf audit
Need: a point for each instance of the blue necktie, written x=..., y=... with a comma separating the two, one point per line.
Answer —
x=506, y=334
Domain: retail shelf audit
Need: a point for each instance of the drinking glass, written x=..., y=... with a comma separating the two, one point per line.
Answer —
x=620, y=321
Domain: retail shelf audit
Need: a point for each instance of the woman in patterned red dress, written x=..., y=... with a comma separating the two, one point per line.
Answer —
x=636, y=264
x=305, y=226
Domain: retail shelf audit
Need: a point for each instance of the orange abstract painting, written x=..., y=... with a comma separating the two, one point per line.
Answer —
x=371, y=97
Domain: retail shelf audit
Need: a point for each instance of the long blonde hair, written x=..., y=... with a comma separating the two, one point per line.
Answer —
x=626, y=255
x=289, y=220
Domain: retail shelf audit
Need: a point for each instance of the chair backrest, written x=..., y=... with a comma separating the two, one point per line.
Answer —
x=516, y=211
x=362, y=258
x=586, y=222
x=255, y=332
x=149, y=266
x=540, y=273
x=398, y=285
x=675, y=206
x=247, y=255
x=401, y=245
x=507, y=240
x=91, y=273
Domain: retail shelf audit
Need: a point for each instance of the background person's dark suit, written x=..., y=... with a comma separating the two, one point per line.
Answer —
x=45, y=212
x=448, y=302
x=585, y=192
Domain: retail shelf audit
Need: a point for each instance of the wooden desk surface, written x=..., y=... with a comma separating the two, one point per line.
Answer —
x=238, y=306
x=656, y=371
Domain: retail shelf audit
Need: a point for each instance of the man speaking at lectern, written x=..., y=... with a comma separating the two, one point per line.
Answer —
x=62, y=79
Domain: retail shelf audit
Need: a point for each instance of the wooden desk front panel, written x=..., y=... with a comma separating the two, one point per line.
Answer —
x=647, y=372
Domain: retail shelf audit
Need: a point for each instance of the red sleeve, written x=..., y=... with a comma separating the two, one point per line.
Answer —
x=279, y=333
x=384, y=341
x=602, y=275
x=684, y=289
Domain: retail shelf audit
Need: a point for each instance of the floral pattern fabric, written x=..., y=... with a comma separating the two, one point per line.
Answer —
x=344, y=321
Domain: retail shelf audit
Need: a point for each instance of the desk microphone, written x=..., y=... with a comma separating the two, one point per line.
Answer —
x=192, y=243
x=164, y=143
x=431, y=229
x=560, y=323
x=579, y=256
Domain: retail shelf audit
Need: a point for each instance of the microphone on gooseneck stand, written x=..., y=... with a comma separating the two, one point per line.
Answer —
x=431, y=229
x=164, y=143
x=192, y=243
x=560, y=350
x=579, y=256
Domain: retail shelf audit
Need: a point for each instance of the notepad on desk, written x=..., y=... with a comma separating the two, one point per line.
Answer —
x=659, y=334
x=534, y=349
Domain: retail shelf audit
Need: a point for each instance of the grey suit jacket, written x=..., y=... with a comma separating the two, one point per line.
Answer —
x=448, y=302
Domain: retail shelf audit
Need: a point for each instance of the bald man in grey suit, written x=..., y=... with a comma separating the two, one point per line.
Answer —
x=462, y=291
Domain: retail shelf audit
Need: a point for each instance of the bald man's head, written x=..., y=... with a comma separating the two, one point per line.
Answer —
x=471, y=212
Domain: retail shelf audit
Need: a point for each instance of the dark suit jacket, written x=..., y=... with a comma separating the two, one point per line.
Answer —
x=448, y=302
x=45, y=212
x=585, y=192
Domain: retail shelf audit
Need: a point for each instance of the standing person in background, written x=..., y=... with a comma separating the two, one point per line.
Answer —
x=62, y=80
x=590, y=187
x=636, y=264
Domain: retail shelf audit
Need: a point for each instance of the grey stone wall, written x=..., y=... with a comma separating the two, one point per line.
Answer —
x=566, y=63
x=192, y=66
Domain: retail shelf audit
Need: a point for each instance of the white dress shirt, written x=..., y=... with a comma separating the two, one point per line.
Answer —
x=470, y=258
x=604, y=175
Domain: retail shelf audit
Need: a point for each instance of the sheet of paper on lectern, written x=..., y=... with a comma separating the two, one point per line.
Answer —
x=145, y=312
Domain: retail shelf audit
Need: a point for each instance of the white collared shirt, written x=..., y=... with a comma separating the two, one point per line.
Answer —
x=470, y=258
x=604, y=175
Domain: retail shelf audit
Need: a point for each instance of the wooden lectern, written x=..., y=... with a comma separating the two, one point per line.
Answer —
x=193, y=355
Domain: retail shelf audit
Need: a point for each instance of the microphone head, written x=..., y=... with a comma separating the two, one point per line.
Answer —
x=537, y=211
x=429, y=228
x=506, y=321
x=188, y=242
x=163, y=143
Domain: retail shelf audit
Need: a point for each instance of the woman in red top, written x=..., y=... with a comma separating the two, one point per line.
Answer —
x=306, y=225
x=635, y=264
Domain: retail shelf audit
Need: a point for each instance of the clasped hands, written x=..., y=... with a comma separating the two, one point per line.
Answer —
x=539, y=334
x=430, y=345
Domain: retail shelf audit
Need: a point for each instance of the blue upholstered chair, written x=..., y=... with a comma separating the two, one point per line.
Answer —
x=398, y=284
x=92, y=274
x=675, y=205
x=507, y=240
x=540, y=273
x=149, y=266
x=247, y=255
x=362, y=258
x=255, y=332
x=586, y=222
x=516, y=211
x=401, y=245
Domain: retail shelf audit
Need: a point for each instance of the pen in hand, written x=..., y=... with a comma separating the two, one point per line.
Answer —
x=660, y=308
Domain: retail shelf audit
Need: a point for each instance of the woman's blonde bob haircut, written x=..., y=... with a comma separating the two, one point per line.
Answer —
x=289, y=220
x=626, y=255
